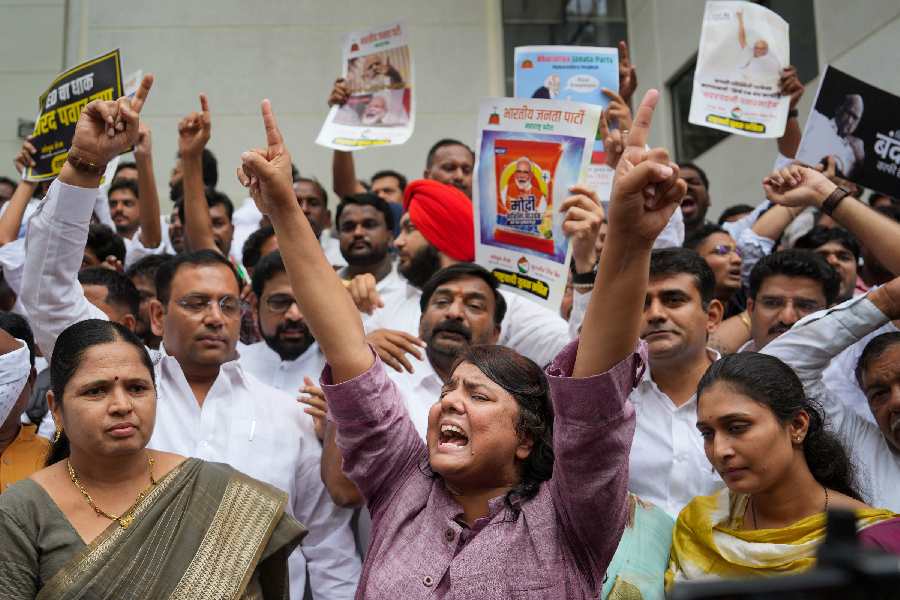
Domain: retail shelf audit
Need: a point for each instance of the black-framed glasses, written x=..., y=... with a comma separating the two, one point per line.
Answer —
x=279, y=303
x=229, y=305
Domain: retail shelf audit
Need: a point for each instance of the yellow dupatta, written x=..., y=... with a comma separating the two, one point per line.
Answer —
x=708, y=542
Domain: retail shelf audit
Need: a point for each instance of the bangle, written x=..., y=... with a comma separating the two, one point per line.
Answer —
x=85, y=166
x=793, y=113
x=745, y=319
x=833, y=199
x=583, y=287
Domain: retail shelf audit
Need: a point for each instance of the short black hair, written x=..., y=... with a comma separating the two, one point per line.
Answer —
x=320, y=189
x=891, y=212
x=123, y=184
x=295, y=172
x=796, y=263
x=9, y=181
x=737, y=209
x=167, y=270
x=366, y=199
x=877, y=346
x=103, y=242
x=441, y=144
x=698, y=236
x=147, y=266
x=252, y=250
x=213, y=198
x=401, y=180
x=268, y=267
x=700, y=172
x=17, y=326
x=125, y=164
x=819, y=236
x=458, y=271
x=120, y=291
x=210, y=167
x=667, y=262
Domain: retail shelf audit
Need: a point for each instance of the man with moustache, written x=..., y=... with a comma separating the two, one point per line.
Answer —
x=364, y=226
x=461, y=306
x=785, y=287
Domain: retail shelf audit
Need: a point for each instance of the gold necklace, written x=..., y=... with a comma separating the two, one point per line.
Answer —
x=127, y=518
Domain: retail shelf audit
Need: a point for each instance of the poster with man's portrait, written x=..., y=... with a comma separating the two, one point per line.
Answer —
x=379, y=112
x=858, y=126
x=743, y=48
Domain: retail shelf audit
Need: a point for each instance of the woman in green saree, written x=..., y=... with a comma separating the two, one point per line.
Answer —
x=110, y=519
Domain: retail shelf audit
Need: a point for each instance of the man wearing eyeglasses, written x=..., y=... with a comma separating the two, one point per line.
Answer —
x=288, y=354
x=208, y=406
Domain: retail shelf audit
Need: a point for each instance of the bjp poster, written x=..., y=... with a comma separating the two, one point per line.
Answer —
x=380, y=111
x=530, y=151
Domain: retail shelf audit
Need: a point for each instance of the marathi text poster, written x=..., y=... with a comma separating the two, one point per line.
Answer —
x=380, y=111
x=858, y=125
x=61, y=105
x=743, y=48
x=576, y=74
x=529, y=153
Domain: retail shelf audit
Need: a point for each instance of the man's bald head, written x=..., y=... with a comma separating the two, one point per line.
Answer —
x=849, y=114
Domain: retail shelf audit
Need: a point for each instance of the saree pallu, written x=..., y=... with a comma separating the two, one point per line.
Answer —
x=708, y=542
x=204, y=531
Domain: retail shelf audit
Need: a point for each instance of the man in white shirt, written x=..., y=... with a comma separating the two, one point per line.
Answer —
x=834, y=137
x=668, y=465
x=809, y=348
x=461, y=306
x=365, y=225
x=207, y=406
x=760, y=63
x=437, y=231
x=288, y=354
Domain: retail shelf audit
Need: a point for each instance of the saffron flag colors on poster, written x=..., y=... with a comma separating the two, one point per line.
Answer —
x=530, y=151
x=743, y=48
x=577, y=74
x=380, y=111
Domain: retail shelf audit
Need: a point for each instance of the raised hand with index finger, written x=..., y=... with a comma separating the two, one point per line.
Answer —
x=268, y=172
x=107, y=128
x=194, y=131
x=646, y=189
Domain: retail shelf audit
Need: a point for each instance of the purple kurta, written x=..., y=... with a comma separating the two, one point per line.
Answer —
x=557, y=546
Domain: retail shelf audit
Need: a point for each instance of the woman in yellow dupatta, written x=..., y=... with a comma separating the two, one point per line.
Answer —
x=782, y=469
x=109, y=518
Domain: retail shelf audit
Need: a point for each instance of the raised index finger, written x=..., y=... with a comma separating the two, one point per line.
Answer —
x=140, y=96
x=273, y=135
x=640, y=127
x=623, y=52
x=204, y=103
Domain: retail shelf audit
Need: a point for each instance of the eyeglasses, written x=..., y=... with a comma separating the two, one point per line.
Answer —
x=725, y=250
x=229, y=305
x=279, y=303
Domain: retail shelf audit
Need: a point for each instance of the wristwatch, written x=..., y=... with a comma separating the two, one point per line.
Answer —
x=584, y=278
x=833, y=199
x=793, y=113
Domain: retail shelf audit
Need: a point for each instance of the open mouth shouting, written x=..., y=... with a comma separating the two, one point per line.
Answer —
x=452, y=438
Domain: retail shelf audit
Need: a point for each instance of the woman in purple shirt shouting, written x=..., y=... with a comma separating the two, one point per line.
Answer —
x=520, y=489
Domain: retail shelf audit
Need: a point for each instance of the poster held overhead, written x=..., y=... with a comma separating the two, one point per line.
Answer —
x=60, y=107
x=576, y=74
x=743, y=48
x=380, y=111
x=529, y=153
x=859, y=126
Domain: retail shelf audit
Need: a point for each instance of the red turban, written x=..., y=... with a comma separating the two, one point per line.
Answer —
x=444, y=216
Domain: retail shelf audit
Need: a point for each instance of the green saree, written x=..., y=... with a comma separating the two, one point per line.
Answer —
x=204, y=531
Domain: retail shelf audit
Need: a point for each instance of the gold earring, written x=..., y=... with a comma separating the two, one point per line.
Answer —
x=57, y=436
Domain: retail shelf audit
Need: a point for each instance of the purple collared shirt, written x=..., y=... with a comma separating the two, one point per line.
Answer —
x=559, y=543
